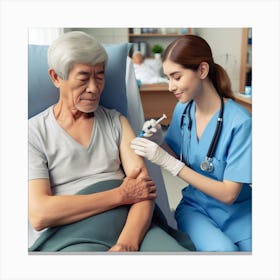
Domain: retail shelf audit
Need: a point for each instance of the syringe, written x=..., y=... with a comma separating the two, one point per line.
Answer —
x=141, y=134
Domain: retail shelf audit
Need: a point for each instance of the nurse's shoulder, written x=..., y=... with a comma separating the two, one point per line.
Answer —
x=235, y=111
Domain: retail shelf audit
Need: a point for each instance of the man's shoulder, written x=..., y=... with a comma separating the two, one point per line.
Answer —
x=40, y=118
x=104, y=111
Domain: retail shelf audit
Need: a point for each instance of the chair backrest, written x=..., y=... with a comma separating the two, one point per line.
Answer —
x=42, y=93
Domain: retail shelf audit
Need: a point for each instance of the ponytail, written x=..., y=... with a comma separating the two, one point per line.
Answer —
x=221, y=81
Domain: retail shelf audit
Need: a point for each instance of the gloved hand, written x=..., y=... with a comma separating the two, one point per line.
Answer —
x=153, y=152
x=155, y=133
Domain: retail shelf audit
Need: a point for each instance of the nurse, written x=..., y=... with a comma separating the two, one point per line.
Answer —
x=208, y=145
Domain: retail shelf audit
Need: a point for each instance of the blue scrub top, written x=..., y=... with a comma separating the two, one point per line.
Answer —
x=232, y=161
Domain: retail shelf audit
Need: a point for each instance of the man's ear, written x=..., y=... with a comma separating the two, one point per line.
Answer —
x=54, y=77
x=203, y=70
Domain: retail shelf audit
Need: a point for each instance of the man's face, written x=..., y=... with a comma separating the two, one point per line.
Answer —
x=137, y=58
x=83, y=87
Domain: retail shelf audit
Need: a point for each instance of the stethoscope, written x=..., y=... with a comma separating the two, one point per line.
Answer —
x=207, y=164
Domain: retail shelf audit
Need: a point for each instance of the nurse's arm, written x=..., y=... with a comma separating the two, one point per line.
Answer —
x=224, y=191
x=165, y=146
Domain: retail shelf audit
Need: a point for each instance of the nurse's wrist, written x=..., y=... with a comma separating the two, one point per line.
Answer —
x=173, y=165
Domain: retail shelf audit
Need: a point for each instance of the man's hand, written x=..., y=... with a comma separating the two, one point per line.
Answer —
x=122, y=248
x=135, y=188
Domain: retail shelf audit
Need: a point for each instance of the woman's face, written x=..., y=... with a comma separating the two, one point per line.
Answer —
x=185, y=84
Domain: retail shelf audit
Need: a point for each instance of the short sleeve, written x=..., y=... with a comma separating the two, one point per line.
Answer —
x=37, y=161
x=113, y=117
x=239, y=159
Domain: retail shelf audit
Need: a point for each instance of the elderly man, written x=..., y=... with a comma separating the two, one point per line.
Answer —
x=77, y=143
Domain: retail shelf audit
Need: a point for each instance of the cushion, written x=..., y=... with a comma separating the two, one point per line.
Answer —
x=42, y=93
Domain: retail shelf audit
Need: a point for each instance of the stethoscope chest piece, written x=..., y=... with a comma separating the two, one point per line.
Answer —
x=207, y=165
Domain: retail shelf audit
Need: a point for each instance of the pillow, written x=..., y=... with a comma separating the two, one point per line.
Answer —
x=42, y=93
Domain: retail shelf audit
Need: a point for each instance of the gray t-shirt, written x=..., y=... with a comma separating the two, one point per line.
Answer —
x=69, y=166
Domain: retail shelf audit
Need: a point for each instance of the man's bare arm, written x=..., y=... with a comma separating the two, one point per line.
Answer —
x=140, y=214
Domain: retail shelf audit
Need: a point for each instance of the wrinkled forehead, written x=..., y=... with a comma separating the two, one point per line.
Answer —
x=81, y=67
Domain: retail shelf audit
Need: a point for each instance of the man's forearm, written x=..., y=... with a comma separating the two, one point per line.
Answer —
x=137, y=223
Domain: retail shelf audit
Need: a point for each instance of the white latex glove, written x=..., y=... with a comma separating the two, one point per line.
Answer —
x=155, y=133
x=153, y=152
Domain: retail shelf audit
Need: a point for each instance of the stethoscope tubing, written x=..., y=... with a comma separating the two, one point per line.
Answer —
x=215, y=139
x=217, y=133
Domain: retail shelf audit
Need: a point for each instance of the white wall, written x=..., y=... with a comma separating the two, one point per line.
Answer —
x=226, y=47
x=106, y=35
x=43, y=36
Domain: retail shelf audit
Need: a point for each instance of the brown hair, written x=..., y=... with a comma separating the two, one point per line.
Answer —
x=189, y=51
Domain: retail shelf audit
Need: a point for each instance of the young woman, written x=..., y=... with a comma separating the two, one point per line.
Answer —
x=208, y=144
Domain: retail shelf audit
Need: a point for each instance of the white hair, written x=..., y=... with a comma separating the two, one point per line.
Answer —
x=137, y=52
x=74, y=47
